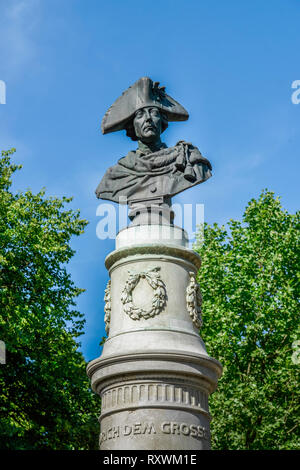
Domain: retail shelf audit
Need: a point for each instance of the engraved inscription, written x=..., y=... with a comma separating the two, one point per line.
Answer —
x=167, y=427
x=171, y=427
x=127, y=430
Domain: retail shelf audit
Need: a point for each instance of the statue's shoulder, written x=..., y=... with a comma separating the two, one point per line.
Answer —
x=189, y=145
x=129, y=160
x=195, y=156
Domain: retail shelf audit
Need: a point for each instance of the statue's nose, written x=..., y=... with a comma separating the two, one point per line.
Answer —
x=147, y=115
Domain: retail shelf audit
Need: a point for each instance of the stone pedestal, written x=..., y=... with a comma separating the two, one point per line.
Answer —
x=154, y=375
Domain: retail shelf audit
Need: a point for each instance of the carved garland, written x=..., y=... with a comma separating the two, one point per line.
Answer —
x=194, y=301
x=107, y=307
x=152, y=276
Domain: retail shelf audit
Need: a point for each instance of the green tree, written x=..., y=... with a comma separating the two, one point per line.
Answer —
x=45, y=400
x=250, y=285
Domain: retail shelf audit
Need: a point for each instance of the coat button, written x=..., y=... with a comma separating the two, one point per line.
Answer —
x=153, y=188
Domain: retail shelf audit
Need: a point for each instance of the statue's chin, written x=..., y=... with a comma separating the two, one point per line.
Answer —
x=151, y=138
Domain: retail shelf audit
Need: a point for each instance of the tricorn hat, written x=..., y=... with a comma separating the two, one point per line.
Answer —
x=141, y=94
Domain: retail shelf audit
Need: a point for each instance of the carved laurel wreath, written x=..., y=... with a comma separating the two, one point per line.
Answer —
x=194, y=301
x=159, y=299
x=107, y=307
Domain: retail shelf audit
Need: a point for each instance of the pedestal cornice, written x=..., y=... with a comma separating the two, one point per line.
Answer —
x=160, y=250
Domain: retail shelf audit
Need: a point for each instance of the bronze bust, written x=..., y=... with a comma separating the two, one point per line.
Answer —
x=153, y=171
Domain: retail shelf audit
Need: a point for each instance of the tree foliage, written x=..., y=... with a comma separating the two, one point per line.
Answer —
x=250, y=285
x=45, y=401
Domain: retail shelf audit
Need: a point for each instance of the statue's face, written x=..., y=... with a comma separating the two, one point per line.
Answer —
x=147, y=124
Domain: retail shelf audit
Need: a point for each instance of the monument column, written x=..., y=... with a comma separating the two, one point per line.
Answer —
x=154, y=375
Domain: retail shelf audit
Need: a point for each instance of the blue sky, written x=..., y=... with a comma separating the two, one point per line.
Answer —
x=230, y=63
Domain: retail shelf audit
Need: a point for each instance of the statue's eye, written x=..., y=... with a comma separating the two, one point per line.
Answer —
x=139, y=114
x=154, y=111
